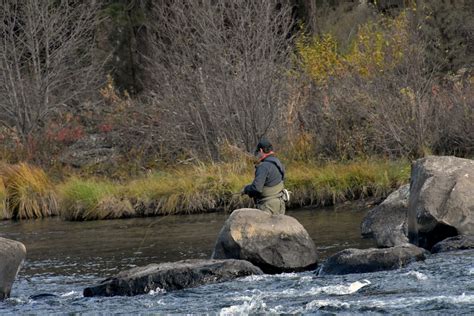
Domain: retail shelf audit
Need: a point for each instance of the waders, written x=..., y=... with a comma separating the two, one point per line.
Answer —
x=272, y=200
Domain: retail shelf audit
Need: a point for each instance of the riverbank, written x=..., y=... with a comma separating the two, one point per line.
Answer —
x=190, y=189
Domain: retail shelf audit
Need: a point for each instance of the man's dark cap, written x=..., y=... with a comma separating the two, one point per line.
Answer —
x=265, y=145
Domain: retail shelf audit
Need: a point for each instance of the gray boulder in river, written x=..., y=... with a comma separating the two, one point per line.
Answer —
x=12, y=254
x=387, y=222
x=441, y=202
x=274, y=243
x=454, y=243
x=374, y=259
x=172, y=276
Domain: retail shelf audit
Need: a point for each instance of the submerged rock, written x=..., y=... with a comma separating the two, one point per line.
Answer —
x=172, y=276
x=454, y=243
x=12, y=254
x=441, y=204
x=42, y=296
x=373, y=259
x=275, y=243
x=387, y=222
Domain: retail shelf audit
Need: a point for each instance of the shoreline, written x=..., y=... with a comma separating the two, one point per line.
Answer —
x=202, y=189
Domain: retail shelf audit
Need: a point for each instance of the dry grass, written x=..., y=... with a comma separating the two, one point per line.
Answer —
x=335, y=182
x=3, y=202
x=91, y=199
x=28, y=192
x=208, y=187
x=189, y=190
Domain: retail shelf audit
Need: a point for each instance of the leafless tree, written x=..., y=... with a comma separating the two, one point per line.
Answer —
x=219, y=70
x=46, y=59
x=408, y=111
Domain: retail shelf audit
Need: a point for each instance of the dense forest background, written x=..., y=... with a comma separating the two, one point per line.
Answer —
x=136, y=84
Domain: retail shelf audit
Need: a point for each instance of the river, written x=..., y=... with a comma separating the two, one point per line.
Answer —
x=65, y=257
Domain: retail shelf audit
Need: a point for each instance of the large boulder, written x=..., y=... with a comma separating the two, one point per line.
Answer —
x=454, y=243
x=275, y=243
x=172, y=276
x=12, y=254
x=373, y=259
x=387, y=222
x=441, y=202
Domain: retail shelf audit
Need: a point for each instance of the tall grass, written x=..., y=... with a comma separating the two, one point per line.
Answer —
x=91, y=200
x=336, y=182
x=195, y=189
x=3, y=202
x=27, y=192
x=210, y=187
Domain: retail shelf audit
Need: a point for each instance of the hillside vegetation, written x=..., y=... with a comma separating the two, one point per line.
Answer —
x=117, y=108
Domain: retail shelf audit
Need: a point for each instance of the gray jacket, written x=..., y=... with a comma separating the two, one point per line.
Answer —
x=269, y=172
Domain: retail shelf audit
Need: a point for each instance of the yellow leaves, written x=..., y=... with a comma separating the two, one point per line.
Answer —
x=378, y=47
x=320, y=57
x=110, y=94
x=408, y=93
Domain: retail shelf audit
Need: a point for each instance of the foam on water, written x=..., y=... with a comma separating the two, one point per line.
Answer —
x=339, y=289
x=417, y=275
x=256, y=303
x=157, y=291
x=317, y=304
x=71, y=293
x=399, y=303
x=250, y=305
x=441, y=284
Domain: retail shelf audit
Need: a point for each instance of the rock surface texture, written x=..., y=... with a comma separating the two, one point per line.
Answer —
x=12, y=254
x=441, y=202
x=373, y=259
x=387, y=222
x=275, y=243
x=172, y=276
x=454, y=243
x=89, y=151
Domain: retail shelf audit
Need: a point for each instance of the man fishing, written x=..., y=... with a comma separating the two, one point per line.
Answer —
x=267, y=188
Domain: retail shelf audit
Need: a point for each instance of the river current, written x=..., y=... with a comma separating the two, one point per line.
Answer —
x=65, y=257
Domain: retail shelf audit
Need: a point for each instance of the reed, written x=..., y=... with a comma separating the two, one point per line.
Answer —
x=28, y=192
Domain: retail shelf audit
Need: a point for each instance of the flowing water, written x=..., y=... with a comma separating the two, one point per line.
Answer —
x=65, y=257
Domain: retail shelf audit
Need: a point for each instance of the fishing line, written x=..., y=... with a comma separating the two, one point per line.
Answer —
x=146, y=232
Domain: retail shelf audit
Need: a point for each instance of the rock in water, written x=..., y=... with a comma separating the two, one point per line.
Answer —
x=454, y=243
x=274, y=243
x=12, y=254
x=172, y=276
x=387, y=222
x=441, y=202
x=373, y=259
